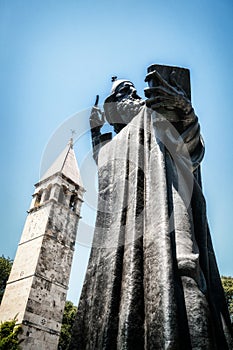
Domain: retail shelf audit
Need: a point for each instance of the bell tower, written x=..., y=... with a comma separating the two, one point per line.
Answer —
x=37, y=286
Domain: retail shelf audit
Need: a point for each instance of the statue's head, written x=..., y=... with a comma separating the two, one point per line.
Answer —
x=122, y=89
x=122, y=104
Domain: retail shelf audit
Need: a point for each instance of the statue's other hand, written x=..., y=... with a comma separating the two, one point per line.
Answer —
x=168, y=96
x=170, y=102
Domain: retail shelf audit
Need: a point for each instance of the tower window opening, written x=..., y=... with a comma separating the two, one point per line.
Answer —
x=73, y=202
x=47, y=194
x=62, y=195
x=38, y=199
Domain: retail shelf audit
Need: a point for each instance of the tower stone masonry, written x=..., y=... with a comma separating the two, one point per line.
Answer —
x=37, y=286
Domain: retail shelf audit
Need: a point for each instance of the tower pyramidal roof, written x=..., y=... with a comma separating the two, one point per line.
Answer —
x=65, y=164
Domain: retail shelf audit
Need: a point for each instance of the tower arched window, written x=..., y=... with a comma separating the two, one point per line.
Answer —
x=47, y=194
x=73, y=202
x=38, y=198
x=62, y=195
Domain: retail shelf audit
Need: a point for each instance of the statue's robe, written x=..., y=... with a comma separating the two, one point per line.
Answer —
x=152, y=281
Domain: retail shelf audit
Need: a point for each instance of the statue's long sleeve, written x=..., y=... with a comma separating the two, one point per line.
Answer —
x=98, y=139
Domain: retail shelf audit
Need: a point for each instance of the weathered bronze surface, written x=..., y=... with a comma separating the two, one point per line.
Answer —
x=152, y=281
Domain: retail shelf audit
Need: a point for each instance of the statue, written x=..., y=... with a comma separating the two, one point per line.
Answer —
x=152, y=280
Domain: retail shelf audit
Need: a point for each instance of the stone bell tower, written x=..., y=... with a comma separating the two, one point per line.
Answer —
x=37, y=286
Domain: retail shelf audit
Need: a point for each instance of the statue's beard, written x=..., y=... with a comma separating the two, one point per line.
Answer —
x=128, y=108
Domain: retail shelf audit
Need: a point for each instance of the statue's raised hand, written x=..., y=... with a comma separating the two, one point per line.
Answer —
x=167, y=95
x=97, y=116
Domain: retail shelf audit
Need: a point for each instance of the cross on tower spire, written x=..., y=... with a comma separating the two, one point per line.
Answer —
x=73, y=132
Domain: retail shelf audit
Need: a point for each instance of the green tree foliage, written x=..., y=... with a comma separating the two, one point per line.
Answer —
x=227, y=283
x=9, y=335
x=67, y=324
x=5, y=269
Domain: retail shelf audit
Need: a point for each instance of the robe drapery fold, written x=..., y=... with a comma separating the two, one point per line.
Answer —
x=152, y=281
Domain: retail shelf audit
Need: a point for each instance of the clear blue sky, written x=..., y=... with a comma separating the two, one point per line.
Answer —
x=57, y=55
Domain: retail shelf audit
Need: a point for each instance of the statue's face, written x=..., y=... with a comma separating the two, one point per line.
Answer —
x=126, y=90
x=128, y=103
x=122, y=105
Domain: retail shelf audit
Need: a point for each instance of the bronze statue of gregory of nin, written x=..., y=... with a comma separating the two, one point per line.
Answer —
x=152, y=280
